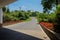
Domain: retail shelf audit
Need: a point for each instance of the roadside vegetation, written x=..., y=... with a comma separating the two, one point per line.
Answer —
x=11, y=17
x=47, y=18
x=50, y=18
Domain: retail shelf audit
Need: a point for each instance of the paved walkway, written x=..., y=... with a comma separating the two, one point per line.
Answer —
x=31, y=31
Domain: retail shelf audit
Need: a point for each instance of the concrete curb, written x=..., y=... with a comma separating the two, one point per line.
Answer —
x=53, y=35
x=44, y=32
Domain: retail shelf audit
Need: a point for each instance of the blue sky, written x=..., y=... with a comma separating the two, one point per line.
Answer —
x=34, y=5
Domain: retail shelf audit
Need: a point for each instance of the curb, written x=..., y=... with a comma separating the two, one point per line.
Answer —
x=44, y=32
x=53, y=35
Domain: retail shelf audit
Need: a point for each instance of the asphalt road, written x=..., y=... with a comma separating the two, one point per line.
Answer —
x=30, y=28
x=31, y=25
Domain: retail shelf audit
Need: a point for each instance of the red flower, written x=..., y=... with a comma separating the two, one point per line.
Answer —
x=48, y=25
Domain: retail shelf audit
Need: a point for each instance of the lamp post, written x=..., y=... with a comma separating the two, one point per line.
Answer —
x=3, y=3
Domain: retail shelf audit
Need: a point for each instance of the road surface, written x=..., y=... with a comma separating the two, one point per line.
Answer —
x=31, y=28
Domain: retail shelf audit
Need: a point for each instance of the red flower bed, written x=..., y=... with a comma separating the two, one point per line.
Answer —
x=46, y=24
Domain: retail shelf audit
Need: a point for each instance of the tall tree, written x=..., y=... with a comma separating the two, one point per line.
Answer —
x=8, y=11
x=4, y=9
x=57, y=19
x=49, y=4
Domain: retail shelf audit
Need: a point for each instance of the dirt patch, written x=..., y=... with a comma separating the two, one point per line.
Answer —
x=11, y=22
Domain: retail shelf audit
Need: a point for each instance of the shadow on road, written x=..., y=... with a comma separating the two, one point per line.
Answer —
x=7, y=34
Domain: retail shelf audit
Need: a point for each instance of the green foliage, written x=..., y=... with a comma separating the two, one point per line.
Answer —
x=55, y=17
x=49, y=4
x=51, y=17
x=5, y=17
x=15, y=15
x=18, y=14
x=4, y=9
x=42, y=17
x=7, y=10
x=57, y=20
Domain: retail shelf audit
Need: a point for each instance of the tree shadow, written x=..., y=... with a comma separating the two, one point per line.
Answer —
x=7, y=34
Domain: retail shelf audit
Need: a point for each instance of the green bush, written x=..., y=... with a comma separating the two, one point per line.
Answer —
x=51, y=17
x=57, y=20
x=45, y=20
x=5, y=17
x=15, y=15
x=40, y=19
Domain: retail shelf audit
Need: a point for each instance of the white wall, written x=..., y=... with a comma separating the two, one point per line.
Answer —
x=1, y=16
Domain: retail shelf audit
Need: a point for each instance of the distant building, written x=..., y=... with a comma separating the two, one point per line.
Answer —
x=3, y=3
